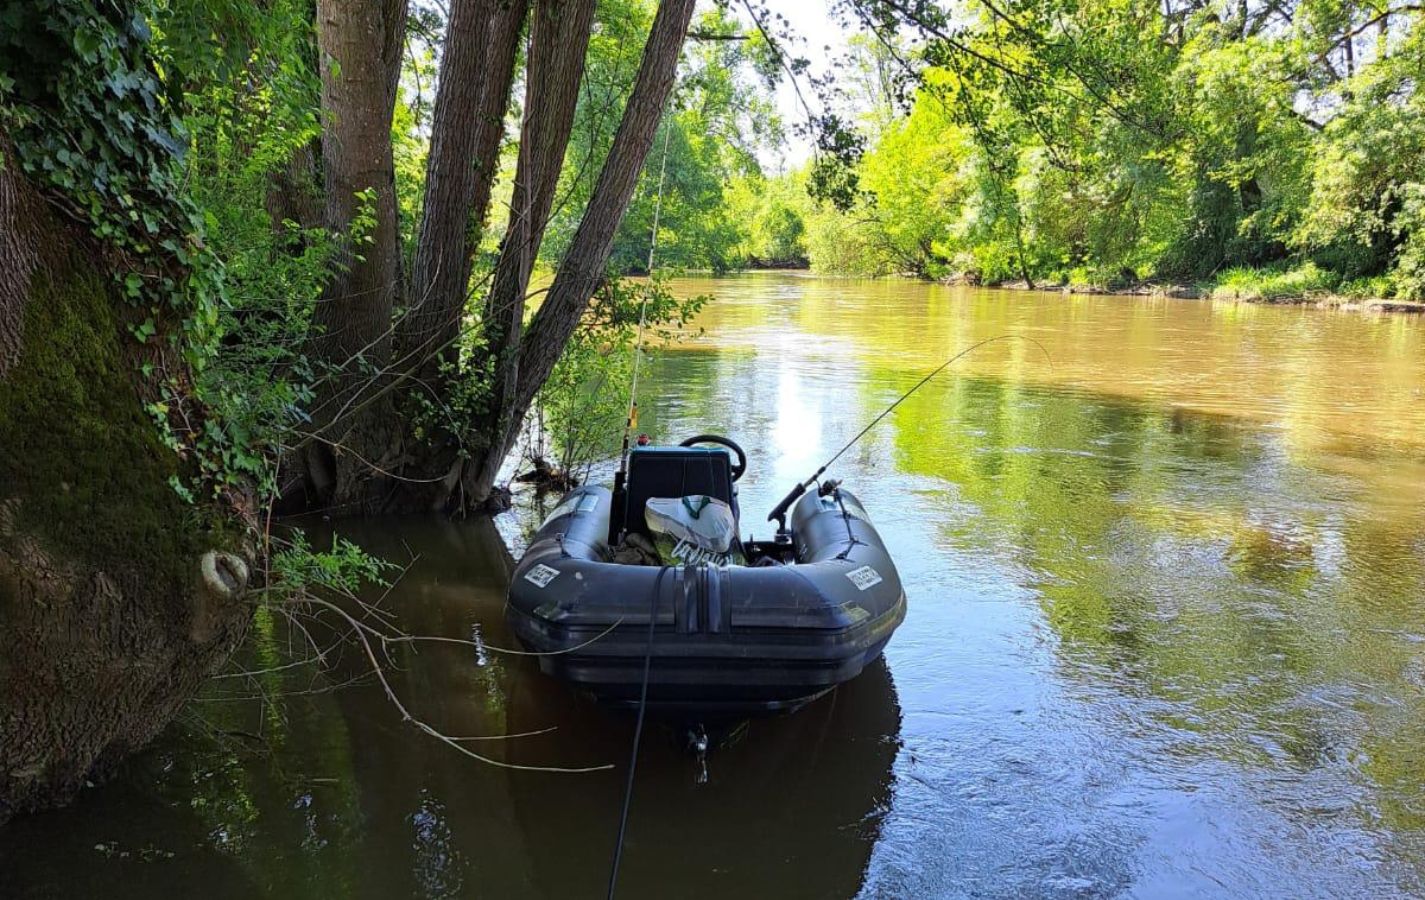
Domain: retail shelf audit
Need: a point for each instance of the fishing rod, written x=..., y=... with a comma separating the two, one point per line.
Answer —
x=631, y=420
x=779, y=512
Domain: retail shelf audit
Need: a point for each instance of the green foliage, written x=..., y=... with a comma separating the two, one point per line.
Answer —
x=840, y=243
x=1273, y=283
x=719, y=117
x=249, y=138
x=1121, y=140
x=582, y=407
x=344, y=568
x=620, y=29
x=774, y=212
x=92, y=119
x=160, y=126
x=145, y=129
x=1366, y=216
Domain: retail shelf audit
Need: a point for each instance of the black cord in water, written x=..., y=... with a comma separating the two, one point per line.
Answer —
x=851, y=540
x=637, y=730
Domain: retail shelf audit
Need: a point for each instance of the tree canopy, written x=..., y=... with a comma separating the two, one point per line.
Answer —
x=1107, y=142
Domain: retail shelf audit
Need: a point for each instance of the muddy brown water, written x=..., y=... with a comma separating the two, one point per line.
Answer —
x=1166, y=638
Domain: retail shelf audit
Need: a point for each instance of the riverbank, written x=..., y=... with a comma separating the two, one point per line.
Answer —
x=1304, y=286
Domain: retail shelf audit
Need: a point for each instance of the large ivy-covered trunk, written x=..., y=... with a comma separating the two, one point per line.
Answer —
x=116, y=597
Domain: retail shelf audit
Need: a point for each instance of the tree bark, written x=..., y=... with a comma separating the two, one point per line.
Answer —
x=559, y=41
x=358, y=100
x=364, y=456
x=116, y=598
x=294, y=193
x=476, y=71
x=583, y=266
x=354, y=441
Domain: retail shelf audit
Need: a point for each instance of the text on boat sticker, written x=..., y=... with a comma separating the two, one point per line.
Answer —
x=541, y=575
x=588, y=503
x=863, y=577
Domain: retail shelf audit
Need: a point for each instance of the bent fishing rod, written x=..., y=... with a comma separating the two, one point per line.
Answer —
x=779, y=512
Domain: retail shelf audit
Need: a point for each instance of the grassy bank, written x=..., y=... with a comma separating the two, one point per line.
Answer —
x=1305, y=284
x=1309, y=284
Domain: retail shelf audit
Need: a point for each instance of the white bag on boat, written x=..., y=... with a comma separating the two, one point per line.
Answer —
x=704, y=524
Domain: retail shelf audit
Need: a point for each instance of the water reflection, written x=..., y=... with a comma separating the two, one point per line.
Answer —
x=344, y=801
x=1165, y=638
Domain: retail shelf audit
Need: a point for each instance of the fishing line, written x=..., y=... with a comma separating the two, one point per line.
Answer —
x=630, y=422
x=780, y=511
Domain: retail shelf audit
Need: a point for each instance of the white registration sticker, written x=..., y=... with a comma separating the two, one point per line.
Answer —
x=588, y=503
x=541, y=575
x=863, y=577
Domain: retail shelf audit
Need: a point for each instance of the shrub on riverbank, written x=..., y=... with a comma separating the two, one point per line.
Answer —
x=1273, y=283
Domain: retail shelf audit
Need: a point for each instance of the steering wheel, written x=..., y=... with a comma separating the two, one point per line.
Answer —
x=739, y=467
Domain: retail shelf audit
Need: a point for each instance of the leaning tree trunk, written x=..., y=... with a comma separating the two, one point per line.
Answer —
x=559, y=42
x=113, y=604
x=583, y=267
x=476, y=70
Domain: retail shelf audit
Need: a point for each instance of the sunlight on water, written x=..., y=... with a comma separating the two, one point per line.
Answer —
x=1166, y=638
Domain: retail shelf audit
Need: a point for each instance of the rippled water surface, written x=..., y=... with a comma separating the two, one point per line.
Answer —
x=1166, y=638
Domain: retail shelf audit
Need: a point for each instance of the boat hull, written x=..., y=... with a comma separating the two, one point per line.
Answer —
x=725, y=642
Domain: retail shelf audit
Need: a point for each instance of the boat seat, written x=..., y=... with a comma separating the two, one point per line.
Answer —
x=673, y=472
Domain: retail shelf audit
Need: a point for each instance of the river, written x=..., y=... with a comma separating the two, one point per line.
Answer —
x=1166, y=637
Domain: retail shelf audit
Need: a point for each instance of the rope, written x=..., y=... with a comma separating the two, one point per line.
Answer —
x=851, y=540
x=637, y=731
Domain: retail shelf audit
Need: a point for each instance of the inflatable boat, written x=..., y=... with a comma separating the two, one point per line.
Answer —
x=776, y=625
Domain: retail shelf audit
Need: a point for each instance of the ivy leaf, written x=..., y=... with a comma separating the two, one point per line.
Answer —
x=138, y=27
x=180, y=488
x=86, y=44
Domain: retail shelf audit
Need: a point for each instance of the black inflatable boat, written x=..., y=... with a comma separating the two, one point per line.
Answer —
x=809, y=611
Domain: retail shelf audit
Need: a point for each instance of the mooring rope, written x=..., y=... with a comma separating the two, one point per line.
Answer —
x=629, y=423
x=637, y=730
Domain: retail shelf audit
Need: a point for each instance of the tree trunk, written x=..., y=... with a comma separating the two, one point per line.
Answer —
x=358, y=100
x=113, y=607
x=364, y=456
x=476, y=71
x=559, y=40
x=355, y=442
x=294, y=193
x=583, y=266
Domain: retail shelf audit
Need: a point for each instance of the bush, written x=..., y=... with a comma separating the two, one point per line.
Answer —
x=1273, y=283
